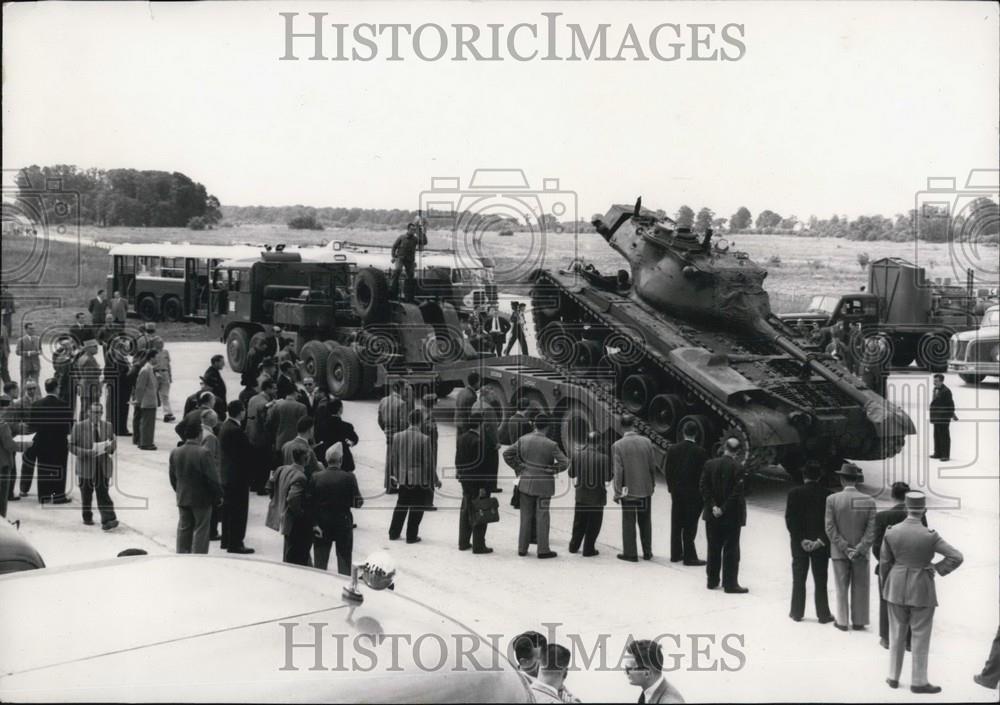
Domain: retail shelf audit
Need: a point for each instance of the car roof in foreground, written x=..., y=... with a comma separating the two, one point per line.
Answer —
x=205, y=628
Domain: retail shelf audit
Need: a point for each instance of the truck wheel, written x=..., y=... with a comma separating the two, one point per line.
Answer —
x=370, y=299
x=665, y=414
x=972, y=379
x=237, y=347
x=932, y=352
x=256, y=338
x=343, y=373
x=147, y=309
x=703, y=428
x=637, y=392
x=172, y=309
x=314, y=355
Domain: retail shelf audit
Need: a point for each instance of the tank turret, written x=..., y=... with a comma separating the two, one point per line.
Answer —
x=686, y=275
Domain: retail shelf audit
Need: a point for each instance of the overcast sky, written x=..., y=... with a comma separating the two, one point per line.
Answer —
x=844, y=108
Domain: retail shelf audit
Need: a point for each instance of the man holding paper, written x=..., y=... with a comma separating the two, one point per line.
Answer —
x=93, y=443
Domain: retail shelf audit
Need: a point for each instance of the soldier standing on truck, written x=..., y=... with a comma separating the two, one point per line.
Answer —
x=404, y=256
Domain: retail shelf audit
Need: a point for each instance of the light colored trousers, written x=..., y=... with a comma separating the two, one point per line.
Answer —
x=163, y=389
x=919, y=621
x=534, y=509
x=852, y=577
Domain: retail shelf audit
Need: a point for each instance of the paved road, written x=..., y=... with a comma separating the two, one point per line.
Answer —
x=772, y=657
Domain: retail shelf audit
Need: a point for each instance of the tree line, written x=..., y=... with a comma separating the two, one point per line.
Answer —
x=128, y=197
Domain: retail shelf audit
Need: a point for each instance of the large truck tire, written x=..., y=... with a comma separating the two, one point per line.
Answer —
x=314, y=355
x=237, y=349
x=370, y=298
x=344, y=374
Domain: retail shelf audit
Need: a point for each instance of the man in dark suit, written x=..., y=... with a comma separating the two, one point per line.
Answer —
x=253, y=364
x=883, y=520
x=80, y=331
x=496, y=326
x=236, y=466
x=465, y=398
x=684, y=463
x=93, y=443
x=260, y=438
x=212, y=379
x=413, y=473
x=805, y=517
x=475, y=463
x=536, y=459
x=283, y=422
x=518, y=424
x=195, y=479
x=309, y=395
x=942, y=414
x=334, y=493
x=644, y=668
x=725, y=515
x=98, y=308
x=590, y=468
x=51, y=419
x=304, y=440
x=286, y=381
x=331, y=428
x=146, y=400
x=635, y=481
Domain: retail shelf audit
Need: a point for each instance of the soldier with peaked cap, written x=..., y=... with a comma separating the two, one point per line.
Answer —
x=907, y=569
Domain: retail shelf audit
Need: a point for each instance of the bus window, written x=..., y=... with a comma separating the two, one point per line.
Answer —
x=172, y=267
x=149, y=266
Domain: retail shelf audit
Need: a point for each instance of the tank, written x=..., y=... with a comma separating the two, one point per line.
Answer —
x=685, y=340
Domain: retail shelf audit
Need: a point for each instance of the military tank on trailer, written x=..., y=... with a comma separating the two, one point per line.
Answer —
x=688, y=336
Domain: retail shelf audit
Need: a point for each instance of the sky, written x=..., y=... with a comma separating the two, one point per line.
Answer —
x=832, y=107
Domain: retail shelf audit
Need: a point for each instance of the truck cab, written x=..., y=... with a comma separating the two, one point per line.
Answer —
x=975, y=354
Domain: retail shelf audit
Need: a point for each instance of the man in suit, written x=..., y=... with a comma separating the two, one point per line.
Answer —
x=527, y=649
x=29, y=349
x=723, y=483
x=209, y=422
x=989, y=677
x=7, y=309
x=850, y=526
x=684, y=464
x=283, y=422
x=414, y=474
x=98, y=308
x=236, y=464
x=164, y=378
x=635, y=481
x=252, y=366
x=591, y=470
x=93, y=443
x=116, y=369
x=87, y=377
x=195, y=479
x=465, y=399
x=429, y=428
x=304, y=440
x=80, y=331
x=309, y=395
x=518, y=424
x=942, y=414
x=288, y=512
x=496, y=326
x=119, y=308
x=475, y=460
x=335, y=430
x=334, y=493
x=553, y=667
x=805, y=517
x=286, y=381
x=51, y=419
x=391, y=419
x=517, y=324
x=883, y=520
x=8, y=464
x=212, y=379
x=260, y=437
x=536, y=460
x=147, y=400
x=4, y=355
x=907, y=569
x=644, y=668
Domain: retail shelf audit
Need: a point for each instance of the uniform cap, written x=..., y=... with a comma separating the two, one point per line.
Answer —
x=916, y=500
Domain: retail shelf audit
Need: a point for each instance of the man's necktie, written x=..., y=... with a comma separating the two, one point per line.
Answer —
x=642, y=698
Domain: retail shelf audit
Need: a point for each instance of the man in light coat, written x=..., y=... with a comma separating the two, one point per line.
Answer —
x=93, y=443
x=288, y=511
x=391, y=419
x=164, y=378
x=907, y=574
x=414, y=474
x=146, y=400
x=634, y=462
x=850, y=526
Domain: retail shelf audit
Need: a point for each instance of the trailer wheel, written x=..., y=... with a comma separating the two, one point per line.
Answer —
x=237, y=348
x=344, y=373
x=172, y=309
x=637, y=392
x=574, y=427
x=702, y=428
x=665, y=414
x=971, y=379
x=370, y=299
x=314, y=355
x=932, y=352
x=147, y=308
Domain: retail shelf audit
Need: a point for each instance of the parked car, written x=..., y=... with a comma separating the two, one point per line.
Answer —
x=975, y=354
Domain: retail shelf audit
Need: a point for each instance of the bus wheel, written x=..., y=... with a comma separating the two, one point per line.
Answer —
x=172, y=309
x=147, y=309
x=237, y=347
x=343, y=373
x=314, y=354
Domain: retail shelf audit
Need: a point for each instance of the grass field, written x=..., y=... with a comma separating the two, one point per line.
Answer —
x=59, y=278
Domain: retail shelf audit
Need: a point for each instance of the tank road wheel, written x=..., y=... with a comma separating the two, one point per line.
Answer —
x=665, y=414
x=147, y=309
x=370, y=299
x=637, y=392
x=237, y=347
x=557, y=343
x=172, y=309
x=702, y=428
x=971, y=379
x=343, y=373
x=587, y=353
x=314, y=355
x=575, y=425
x=932, y=352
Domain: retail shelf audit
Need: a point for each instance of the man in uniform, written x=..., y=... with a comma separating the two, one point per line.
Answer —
x=684, y=464
x=850, y=526
x=805, y=517
x=404, y=256
x=942, y=414
x=722, y=490
x=536, y=459
x=907, y=573
x=883, y=520
x=634, y=461
x=392, y=420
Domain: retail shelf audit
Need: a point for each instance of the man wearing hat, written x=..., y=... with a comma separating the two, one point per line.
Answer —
x=907, y=569
x=883, y=520
x=850, y=526
x=87, y=377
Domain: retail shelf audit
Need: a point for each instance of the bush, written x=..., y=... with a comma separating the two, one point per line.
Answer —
x=305, y=222
x=863, y=259
x=197, y=223
x=774, y=260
